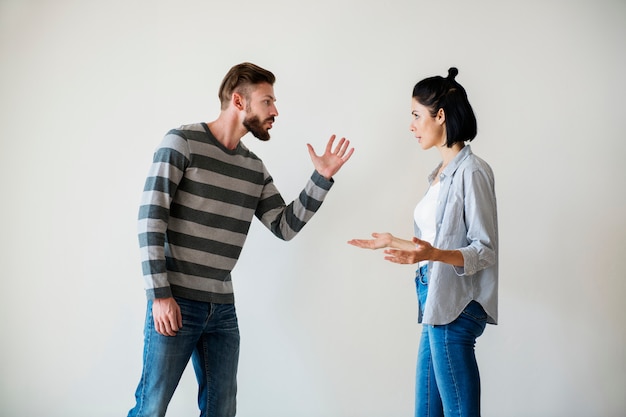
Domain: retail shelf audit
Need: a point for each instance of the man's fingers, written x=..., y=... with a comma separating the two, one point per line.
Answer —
x=346, y=157
x=169, y=326
x=160, y=328
x=173, y=326
x=341, y=147
x=329, y=145
x=179, y=317
x=166, y=328
x=167, y=316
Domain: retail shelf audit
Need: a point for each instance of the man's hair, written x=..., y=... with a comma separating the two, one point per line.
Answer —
x=239, y=78
x=447, y=94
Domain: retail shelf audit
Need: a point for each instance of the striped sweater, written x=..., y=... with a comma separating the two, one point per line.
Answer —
x=196, y=209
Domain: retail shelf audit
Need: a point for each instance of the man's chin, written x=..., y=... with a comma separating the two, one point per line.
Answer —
x=264, y=136
x=257, y=129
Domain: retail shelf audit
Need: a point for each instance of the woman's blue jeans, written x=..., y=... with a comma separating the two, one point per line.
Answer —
x=447, y=377
x=210, y=338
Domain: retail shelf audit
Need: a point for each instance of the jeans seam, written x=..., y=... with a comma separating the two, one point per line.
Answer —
x=205, y=359
x=145, y=364
x=430, y=364
x=452, y=374
x=207, y=375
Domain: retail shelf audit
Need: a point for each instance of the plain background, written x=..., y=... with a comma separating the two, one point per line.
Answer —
x=88, y=89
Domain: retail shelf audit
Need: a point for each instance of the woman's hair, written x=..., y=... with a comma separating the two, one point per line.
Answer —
x=447, y=94
x=239, y=78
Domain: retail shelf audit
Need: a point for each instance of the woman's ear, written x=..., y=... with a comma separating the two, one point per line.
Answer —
x=441, y=116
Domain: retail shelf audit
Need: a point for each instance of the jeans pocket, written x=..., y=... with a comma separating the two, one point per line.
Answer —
x=475, y=311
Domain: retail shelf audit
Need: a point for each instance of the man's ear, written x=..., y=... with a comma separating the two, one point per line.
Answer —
x=441, y=116
x=238, y=101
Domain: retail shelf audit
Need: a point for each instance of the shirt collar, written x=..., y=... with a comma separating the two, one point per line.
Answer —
x=453, y=165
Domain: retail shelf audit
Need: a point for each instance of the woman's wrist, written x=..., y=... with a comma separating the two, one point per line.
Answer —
x=451, y=257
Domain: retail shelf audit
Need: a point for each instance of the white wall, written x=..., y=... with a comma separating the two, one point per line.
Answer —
x=89, y=88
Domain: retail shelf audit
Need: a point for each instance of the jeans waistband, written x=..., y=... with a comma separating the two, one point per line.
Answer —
x=422, y=274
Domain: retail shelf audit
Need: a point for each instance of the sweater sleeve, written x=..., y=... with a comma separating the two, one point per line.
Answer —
x=168, y=166
x=286, y=221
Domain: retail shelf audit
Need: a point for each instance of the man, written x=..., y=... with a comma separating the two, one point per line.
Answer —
x=203, y=189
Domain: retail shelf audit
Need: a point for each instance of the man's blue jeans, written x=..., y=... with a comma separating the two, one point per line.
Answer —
x=210, y=337
x=447, y=377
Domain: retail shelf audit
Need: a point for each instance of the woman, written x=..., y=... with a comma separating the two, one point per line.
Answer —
x=456, y=249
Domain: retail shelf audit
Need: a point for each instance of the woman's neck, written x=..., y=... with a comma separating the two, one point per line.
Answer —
x=448, y=154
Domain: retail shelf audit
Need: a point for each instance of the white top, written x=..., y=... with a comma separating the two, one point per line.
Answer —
x=425, y=215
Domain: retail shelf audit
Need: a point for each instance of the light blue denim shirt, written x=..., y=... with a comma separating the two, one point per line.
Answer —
x=466, y=221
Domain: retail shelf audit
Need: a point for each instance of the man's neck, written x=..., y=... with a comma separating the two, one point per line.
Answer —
x=227, y=130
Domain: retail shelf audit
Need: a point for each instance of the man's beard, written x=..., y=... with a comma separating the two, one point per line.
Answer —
x=255, y=126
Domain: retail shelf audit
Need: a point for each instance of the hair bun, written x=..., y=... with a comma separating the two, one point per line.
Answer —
x=452, y=72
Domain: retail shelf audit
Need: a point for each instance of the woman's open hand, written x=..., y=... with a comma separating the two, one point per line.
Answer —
x=381, y=240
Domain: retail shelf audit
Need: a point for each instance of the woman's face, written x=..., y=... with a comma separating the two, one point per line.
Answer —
x=429, y=130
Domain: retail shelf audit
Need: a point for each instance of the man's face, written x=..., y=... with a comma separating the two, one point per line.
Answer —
x=260, y=111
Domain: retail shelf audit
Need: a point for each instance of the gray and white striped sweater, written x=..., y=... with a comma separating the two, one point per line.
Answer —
x=197, y=206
